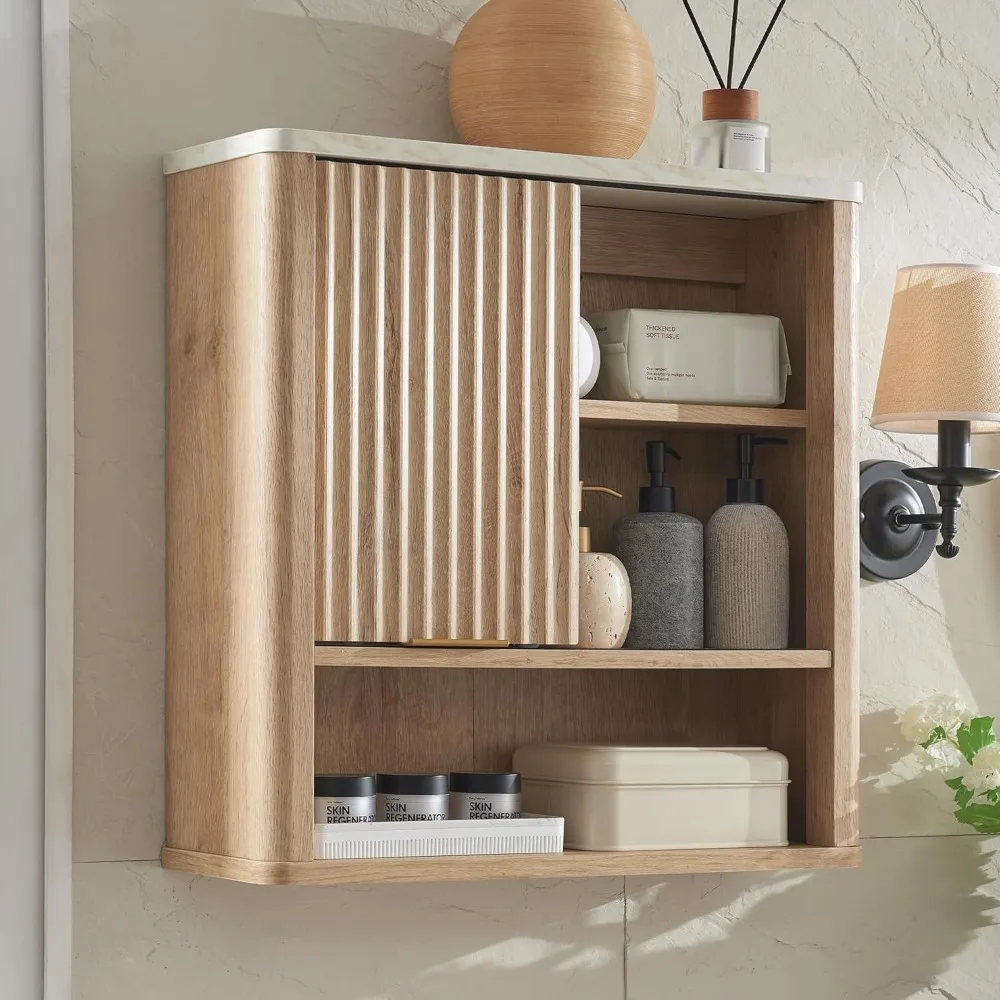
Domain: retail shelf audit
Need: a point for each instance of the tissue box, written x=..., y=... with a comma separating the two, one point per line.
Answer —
x=691, y=357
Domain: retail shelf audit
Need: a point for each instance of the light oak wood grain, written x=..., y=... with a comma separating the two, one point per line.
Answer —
x=394, y=720
x=832, y=710
x=777, y=285
x=606, y=707
x=447, y=461
x=693, y=416
x=570, y=864
x=240, y=457
x=606, y=292
x=660, y=245
x=573, y=659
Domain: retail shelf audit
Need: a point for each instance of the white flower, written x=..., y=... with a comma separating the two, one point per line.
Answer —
x=985, y=771
x=940, y=756
x=920, y=720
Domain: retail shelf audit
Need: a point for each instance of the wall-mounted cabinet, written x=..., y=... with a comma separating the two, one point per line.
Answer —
x=374, y=437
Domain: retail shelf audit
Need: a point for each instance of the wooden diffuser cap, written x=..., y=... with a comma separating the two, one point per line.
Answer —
x=731, y=105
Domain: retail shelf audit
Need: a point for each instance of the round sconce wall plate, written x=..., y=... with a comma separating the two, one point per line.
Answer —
x=888, y=551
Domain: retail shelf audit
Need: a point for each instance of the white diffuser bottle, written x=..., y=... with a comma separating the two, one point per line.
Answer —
x=605, y=592
x=746, y=564
x=730, y=134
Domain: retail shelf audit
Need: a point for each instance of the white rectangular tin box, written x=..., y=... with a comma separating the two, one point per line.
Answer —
x=617, y=798
x=691, y=357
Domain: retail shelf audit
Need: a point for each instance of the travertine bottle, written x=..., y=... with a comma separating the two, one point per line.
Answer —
x=662, y=552
x=605, y=593
x=746, y=564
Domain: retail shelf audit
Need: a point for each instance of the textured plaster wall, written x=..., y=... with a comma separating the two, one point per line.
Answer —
x=900, y=94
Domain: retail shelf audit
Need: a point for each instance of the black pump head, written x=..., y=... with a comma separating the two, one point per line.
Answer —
x=657, y=497
x=745, y=488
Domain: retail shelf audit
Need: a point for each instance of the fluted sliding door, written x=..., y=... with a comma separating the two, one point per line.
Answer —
x=447, y=412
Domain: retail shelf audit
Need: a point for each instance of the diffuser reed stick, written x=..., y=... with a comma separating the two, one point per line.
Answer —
x=704, y=44
x=763, y=42
x=732, y=44
x=728, y=83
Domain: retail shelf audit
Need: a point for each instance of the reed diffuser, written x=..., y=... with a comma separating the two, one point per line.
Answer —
x=731, y=134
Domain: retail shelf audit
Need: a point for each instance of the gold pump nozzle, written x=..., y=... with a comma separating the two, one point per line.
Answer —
x=584, y=531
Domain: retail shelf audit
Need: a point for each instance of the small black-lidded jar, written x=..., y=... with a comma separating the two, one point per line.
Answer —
x=485, y=795
x=344, y=798
x=404, y=798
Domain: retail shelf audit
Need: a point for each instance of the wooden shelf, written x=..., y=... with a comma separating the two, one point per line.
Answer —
x=571, y=864
x=573, y=659
x=696, y=416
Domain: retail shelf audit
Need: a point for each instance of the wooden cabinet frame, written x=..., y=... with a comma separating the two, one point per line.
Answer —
x=254, y=705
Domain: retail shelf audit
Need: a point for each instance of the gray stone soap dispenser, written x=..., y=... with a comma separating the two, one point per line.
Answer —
x=663, y=553
x=746, y=564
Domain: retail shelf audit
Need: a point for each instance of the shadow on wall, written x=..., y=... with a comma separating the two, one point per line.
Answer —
x=143, y=932
x=890, y=930
x=885, y=931
x=148, y=78
x=189, y=71
x=936, y=631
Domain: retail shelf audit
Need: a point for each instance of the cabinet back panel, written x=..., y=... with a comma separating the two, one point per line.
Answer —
x=447, y=430
x=604, y=292
x=776, y=285
x=375, y=718
x=661, y=245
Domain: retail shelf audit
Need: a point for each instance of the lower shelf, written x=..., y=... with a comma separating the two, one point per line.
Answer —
x=570, y=864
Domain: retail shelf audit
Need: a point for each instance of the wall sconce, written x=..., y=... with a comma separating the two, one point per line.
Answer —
x=940, y=374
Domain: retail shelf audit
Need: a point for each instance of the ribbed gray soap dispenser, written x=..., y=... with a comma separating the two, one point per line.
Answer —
x=663, y=553
x=746, y=564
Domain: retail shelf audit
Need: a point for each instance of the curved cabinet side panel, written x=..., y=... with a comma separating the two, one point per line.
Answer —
x=240, y=475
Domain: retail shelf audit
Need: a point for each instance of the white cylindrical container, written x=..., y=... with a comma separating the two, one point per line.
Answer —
x=403, y=798
x=344, y=798
x=588, y=356
x=482, y=795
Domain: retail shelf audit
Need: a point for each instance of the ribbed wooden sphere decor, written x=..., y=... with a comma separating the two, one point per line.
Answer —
x=565, y=76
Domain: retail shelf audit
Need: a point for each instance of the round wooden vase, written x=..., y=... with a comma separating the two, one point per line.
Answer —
x=566, y=76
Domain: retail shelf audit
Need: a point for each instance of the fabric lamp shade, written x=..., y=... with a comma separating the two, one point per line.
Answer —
x=941, y=359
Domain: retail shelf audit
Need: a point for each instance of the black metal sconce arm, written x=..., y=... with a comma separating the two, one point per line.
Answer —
x=951, y=475
x=946, y=521
x=896, y=500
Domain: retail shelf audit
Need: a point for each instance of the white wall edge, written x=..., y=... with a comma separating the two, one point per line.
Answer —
x=59, y=501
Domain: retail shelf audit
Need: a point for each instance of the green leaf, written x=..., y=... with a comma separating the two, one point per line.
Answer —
x=993, y=795
x=936, y=736
x=983, y=818
x=973, y=736
x=963, y=795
